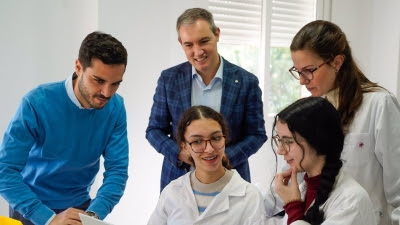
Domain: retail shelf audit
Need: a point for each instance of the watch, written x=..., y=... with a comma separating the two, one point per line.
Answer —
x=92, y=214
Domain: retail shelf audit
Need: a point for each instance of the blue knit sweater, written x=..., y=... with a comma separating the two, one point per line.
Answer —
x=50, y=154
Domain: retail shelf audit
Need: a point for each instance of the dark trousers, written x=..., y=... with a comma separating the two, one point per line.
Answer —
x=18, y=216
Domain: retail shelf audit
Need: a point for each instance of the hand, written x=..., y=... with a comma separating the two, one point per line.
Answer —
x=68, y=216
x=285, y=190
x=185, y=157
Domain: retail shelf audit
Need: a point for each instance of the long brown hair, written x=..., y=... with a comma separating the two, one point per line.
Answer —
x=327, y=40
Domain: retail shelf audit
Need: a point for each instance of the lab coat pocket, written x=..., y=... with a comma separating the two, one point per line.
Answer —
x=357, y=149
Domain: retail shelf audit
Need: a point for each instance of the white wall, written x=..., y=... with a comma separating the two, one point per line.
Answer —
x=373, y=30
x=385, y=57
x=39, y=43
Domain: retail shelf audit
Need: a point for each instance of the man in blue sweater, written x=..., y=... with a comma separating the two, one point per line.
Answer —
x=50, y=152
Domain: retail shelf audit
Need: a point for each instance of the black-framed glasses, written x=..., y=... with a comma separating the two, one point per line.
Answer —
x=199, y=146
x=306, y=73
x=284, y=142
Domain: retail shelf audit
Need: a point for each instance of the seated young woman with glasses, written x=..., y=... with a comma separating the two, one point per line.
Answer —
x=308, y=135
x=213, y=193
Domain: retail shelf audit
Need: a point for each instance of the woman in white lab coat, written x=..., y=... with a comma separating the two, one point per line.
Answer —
x=308, y=135
x=212, y=193
x=370, y=115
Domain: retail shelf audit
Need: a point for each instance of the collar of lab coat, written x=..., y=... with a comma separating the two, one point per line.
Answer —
x=303, y=188
x=333, y=97
x=236, y=187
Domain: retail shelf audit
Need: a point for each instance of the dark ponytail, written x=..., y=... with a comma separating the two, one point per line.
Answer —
x=329, y=172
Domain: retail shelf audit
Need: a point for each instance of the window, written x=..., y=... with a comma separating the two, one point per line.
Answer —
x=241, y=31
x=256, y=34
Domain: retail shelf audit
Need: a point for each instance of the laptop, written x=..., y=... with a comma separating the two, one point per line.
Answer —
x=88, y=220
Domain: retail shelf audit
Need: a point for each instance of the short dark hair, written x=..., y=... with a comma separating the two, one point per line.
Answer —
x=104, y=47
x=195, y=113
x=190, y=16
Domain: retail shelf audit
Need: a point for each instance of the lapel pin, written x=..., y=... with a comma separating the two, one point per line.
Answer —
x=236, y=81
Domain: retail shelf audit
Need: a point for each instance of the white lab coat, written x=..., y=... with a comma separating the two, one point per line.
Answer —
x=371, y=152
x=348, y=204
x=238, y=203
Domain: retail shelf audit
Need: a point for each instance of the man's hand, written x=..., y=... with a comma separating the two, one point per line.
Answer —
x=185, y=157
x=68, y=216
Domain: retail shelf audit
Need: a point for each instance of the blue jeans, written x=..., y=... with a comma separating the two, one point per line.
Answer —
x=18, y=216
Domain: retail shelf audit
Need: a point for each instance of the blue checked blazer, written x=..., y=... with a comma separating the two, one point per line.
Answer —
x=241, y=105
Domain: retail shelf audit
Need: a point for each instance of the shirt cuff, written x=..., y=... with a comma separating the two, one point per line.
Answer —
x=50, y=219
x=295, y=211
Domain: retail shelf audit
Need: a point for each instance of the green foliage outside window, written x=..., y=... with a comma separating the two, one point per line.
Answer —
x=246, y=56
x=284, y=89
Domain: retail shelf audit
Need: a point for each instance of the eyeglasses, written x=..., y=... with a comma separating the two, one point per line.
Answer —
x=284, y=142
x=306, y=73
x=200, y=146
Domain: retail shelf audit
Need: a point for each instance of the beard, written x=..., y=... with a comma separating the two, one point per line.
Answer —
x=88, y=98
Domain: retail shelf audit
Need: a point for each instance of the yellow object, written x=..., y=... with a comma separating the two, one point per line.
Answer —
x=8, y=221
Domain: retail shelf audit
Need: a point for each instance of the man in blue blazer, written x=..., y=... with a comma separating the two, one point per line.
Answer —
x=206, y=79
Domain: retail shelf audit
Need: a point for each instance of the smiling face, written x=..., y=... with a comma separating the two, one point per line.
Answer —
x=200, y=46
x=303, y=160
x=208, y=163
x=95, y=85
x=324, y=77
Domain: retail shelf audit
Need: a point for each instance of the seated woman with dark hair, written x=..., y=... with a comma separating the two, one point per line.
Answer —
x=212, y=193
x=309, y=136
